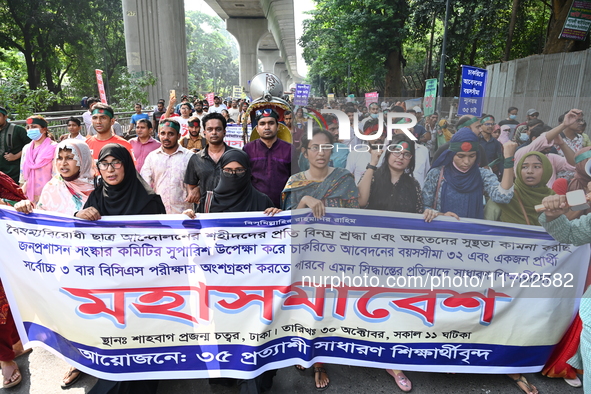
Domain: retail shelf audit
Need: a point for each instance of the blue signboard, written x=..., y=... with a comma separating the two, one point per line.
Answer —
x=472, y=91
x=301, y=94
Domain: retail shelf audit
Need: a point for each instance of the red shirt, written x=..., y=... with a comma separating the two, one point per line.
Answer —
x=96, y=145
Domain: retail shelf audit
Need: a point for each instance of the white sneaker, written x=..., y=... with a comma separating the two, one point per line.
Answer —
x=576, y=382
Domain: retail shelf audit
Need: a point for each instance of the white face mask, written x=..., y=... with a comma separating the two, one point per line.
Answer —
x=524, y=137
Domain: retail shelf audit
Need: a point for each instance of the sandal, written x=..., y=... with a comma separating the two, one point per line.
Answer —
x=318, y=371
x=401, y=380
x=523, y=385
x=11, y=374
x=71, y=377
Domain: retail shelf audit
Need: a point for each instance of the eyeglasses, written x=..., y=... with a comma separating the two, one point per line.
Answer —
x=238, y=171
x=103, y=165
x=489, y=124
x=405, y=155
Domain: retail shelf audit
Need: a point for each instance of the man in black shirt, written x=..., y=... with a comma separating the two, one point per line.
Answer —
x=204, y=171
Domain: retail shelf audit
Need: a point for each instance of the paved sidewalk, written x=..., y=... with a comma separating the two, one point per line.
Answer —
x=42, y=374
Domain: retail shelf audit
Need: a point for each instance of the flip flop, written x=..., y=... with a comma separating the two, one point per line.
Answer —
x=26, y=351
x=522, y=380
x=401, y=380
x=320, y=370
x=71, y=372
x=8, y=373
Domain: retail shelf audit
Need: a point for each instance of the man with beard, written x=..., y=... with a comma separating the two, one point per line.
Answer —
x=199, y=110
x=271, y=157
x=193, y=140
x=164, y=168
x=217, y=105
x=204, y=171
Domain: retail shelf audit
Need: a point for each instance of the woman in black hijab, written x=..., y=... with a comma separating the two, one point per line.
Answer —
x=235, y=192
x=120, y=190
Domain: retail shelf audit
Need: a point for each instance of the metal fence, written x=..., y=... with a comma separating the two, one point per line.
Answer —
x=552, y=84
x=57, y=121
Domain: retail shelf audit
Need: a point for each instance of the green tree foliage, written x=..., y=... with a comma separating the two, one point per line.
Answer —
x=22, y=101
x=365, y=35
x=63, y=41
x=212, y=58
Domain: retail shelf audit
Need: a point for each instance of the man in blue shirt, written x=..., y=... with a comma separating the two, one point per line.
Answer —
x=137, y=116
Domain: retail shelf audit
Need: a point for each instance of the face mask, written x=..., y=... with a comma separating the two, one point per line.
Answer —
x=524, y=137
x=34, y=134
x=374, y=116
x=513, y=117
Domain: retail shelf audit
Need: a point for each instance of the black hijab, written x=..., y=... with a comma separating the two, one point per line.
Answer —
x=132, y=196
x=236, y=193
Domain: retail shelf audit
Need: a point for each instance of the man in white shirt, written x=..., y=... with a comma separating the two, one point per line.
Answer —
x=233, y=111
x=217, y=106
x=87, y=117
x=164, y=168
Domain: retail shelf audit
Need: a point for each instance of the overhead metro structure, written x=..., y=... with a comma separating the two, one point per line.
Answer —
x=155, y=40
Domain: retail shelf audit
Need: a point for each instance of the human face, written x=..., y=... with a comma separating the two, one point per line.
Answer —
x=267, y=128
x=244, y=107
x=194, y=130
x=318, y=153
x=169, y=138
x=138, y=109
x=65, y=164
x=73, y=128
x=199, y=107
x=514, y=112
x=351, y=116
x=399, y=159
x=185, y=111
x=476, y=128
x=488, y=126
x=300, y=113
x=434, y=119
x=374, y=109
x=112, y=176
x=217, y=101
x=205, y=107
x=464, y=160
x=214, y=132
x=496, y=133
x=234, y=104
x=160, y=107
x=532, y=171
x=334, y=130
x=533, y=116
x=142, y=130
x=2, y=120
x=287, y=119
x=102, y=123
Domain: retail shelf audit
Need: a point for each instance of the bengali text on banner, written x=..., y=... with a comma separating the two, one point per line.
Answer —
x=166, y=297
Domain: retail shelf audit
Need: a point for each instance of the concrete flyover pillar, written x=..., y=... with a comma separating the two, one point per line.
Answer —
x=269, y=57
x=248, y=33
x=147, y=23
x=284, y=77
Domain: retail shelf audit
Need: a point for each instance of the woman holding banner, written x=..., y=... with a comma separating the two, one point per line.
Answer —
x=455, y=184
x=392, y=187
x=120, y=191
x=66, y=193
x=10, y=193
x=319, y=187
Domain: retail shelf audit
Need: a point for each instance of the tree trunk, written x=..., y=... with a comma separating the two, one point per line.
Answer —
x=393, y=83
x=511, y=30
x=554, y=44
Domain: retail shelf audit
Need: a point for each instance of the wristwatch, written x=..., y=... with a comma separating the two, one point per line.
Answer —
x=370, y=167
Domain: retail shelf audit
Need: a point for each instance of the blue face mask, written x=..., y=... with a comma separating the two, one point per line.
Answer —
x=34, y=134
x=513, y=117
x=375, y=116
x=524, y=137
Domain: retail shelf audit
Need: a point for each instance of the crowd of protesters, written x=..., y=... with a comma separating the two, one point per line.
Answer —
x=179, y=162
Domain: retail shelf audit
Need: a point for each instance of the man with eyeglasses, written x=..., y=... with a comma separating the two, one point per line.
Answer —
x=204, y=171
x=492, y=147
x=270, y=157
x=103, y=118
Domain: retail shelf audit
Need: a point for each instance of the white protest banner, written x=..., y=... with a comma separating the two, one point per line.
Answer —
x=162, y=297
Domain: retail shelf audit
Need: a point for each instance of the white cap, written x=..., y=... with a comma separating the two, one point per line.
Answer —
x=417, y=109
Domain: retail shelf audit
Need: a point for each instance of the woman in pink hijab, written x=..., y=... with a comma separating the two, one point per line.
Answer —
x=37, y=157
